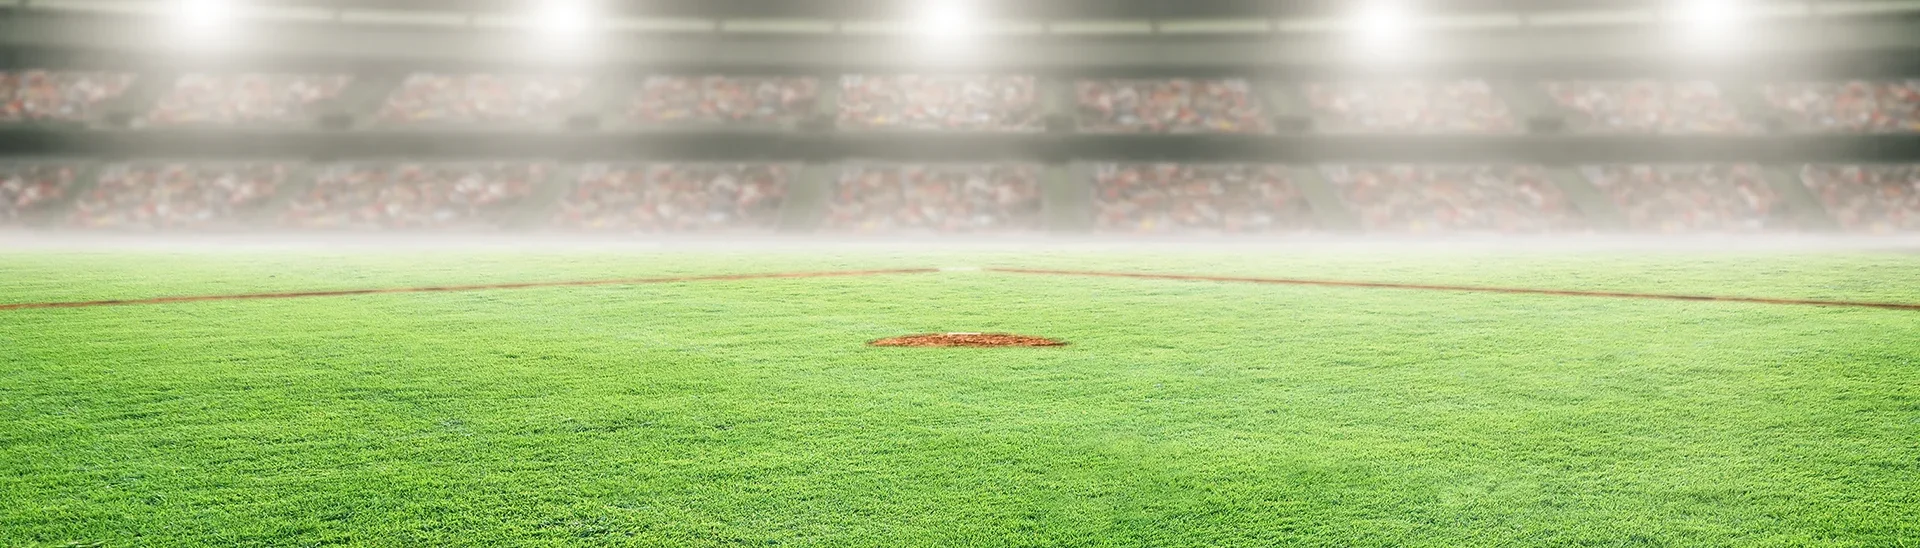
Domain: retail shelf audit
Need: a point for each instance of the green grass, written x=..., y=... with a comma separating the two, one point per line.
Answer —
x=750, y=413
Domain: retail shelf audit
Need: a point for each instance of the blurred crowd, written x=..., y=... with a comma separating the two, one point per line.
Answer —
x=1852, y=106
x=724, y=99
x=1455, y=198
x=1197, y=197
x=941, y=102
x=1140, y=198
x=675, y=198
x=1170, y=106
x=35, y=95
x=1870, y=198
x=1691, y=198
x=252, y=98
x=983, y=102
x=1459, y=106
x=163, y=196
x=482, y=98
x=936, y=197
x=1649, y=106
x=413, y=196
x=25, y=188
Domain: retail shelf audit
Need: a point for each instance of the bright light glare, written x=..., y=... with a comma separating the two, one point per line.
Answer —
x=1382, y=23
x=204, y=15
x=1706, y=12
x=563, y=17
x=947, y=19
x=1382, y=30
x=1707, y=24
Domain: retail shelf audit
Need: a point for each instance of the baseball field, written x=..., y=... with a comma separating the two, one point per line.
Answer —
x=677, y=398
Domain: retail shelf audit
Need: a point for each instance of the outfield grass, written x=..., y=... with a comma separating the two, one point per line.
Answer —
x=750, y=413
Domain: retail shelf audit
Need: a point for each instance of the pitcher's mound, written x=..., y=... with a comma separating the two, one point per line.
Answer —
x=967, y=339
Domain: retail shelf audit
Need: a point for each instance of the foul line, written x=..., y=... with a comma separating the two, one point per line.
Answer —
x=1483, y=289
x=453, y=288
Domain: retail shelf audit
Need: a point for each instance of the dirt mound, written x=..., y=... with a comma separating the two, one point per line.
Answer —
x=967, y=340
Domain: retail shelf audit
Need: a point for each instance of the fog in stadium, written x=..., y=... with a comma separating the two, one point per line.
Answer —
x=959, y=272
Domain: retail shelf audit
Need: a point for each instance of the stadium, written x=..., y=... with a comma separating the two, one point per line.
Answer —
x=960, y=273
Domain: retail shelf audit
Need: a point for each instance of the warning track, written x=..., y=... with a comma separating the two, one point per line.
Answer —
x=847, y=273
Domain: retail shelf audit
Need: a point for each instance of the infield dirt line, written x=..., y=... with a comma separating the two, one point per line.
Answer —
x=844, y=273
x=456, y=288
x=1483, y=289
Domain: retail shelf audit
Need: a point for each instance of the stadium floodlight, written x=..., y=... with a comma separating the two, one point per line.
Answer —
x=946, y=20
x=204, y=14
x=202, y=23
x=1706, y=24
x=1706, y=13
x=1382, y=27
x=561, y=30
x=567, y=18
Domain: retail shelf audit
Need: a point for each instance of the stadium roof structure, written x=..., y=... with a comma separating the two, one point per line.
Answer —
x=1048, y=9
x=383, y=40
x=1068, y=17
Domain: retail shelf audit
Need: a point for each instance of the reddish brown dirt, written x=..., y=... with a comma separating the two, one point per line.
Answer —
x=452, y=288
x=971, y=340
x=1484, y=289
x=1335, y=283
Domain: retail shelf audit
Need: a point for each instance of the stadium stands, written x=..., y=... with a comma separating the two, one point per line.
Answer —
x=1126, y=197
x=660, y=198
x=1854, y=106
x=178, y=196
x=251, y=98
x=1691, y=198
x=940, y=102
x=1649, y=106
x=1162, y=198
x=675, y=198
x=1411, y=106
x=936, y=198
x=1868, y=198
x=39, y=95
x=413, y=196
x=29, y=187
x=501, y=99
x=723, y=100
x=1170, y=106
x=1456, y=198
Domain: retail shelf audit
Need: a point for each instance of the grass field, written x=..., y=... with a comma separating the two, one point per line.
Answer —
x=750, y=412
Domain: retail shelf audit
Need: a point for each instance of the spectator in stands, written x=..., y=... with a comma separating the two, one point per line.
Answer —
x=1170, y=106
x=160, y=196
x=1461, y=198
x=483, y=98
x=64, y=96
x=1647, y=106
x=676, y=198
x=937, y=198
x=724, y=100
x=1460, y=106
x=236, y=99
x=1854, y=106
x=940, y=102
x=25, y=188
x=1690, y=198
x=1202, y=197
x=1868, y=198
x=414, y=196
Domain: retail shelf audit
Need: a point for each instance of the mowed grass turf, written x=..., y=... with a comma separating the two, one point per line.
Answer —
x=751, y=413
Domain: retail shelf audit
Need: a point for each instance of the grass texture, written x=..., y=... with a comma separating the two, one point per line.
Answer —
x=739, y=413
